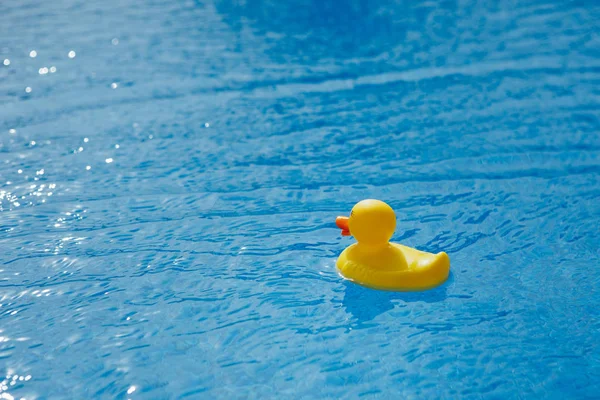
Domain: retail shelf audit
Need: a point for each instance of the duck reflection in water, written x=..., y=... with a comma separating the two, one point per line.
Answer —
x=365, y=304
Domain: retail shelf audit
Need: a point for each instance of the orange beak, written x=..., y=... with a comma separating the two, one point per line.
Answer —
x=342, y=223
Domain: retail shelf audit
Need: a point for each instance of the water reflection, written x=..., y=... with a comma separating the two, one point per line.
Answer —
x=342, y=29
x=366, y=304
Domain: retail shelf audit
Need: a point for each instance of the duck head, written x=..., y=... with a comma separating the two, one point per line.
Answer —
x=371, y=222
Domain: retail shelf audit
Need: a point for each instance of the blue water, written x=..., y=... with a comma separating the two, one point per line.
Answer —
x=171, y=171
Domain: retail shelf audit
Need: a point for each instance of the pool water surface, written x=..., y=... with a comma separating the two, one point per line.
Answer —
x=170, y=174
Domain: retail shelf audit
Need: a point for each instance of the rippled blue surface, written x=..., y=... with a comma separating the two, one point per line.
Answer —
x=168, y=192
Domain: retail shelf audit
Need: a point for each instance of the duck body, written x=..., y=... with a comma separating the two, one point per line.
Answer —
x=379, y=264
x=395, y=267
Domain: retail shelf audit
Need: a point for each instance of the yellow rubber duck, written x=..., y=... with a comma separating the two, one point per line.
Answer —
x=376, y=263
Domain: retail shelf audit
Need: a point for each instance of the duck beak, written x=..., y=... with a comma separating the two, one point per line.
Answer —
x=342, y=223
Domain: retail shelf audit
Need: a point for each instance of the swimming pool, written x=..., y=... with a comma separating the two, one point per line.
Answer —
x=171, y=171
